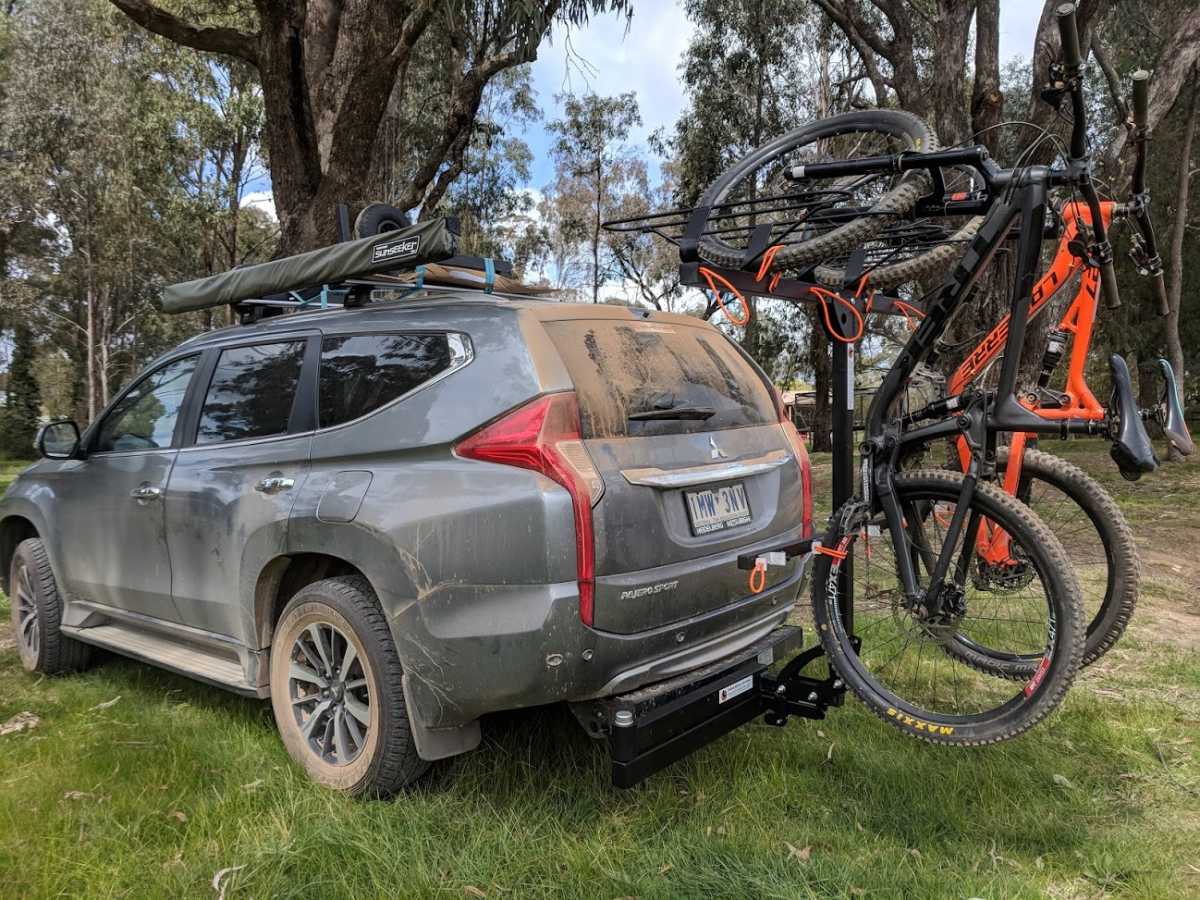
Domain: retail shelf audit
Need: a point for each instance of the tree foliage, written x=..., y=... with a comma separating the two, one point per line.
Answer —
x=346, y=81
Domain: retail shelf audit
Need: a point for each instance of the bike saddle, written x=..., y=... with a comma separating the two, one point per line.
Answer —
x=1174, y=425
x=1131, y=448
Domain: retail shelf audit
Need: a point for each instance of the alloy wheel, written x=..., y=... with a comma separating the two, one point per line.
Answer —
x=330, y=694
x=26, y=621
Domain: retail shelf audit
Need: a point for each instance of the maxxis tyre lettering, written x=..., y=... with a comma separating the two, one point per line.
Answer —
x=890, y=206
x=1065, y=605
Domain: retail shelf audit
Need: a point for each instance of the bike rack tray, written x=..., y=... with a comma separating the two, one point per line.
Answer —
x=654, y=726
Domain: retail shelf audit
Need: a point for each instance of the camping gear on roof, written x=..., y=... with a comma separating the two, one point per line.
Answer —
x=425, y=242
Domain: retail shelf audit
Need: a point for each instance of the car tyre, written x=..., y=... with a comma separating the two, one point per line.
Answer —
x=37, y=615
x=337, y=694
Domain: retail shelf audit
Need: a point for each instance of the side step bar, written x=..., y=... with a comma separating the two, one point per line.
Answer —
x=185, y=658
x=652, y=727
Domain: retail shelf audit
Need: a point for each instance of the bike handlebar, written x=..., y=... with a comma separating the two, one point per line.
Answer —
x=1072, y=62
x=1141, y=97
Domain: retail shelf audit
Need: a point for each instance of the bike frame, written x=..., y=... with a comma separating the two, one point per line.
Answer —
x=1078, y=321
x=977, y=419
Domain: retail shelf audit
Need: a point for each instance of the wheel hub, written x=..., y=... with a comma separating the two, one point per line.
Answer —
x=329, y=693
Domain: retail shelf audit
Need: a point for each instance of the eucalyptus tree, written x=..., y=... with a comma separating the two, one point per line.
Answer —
x=333, y=70
x=595, y=167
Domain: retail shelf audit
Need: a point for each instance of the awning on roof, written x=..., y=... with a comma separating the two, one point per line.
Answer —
x=424, y=242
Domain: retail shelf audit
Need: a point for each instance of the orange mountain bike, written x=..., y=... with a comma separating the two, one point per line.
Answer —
x=1083, y=515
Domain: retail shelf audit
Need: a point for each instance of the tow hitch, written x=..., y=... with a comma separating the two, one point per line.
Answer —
x=650, y=728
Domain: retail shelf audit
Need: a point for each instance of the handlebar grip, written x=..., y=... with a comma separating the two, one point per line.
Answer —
x=1141, y=97
x=1160, y=293
x=1108, y=284
x=1070, y=36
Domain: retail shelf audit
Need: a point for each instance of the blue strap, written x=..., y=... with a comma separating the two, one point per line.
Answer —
x=420, y=276
x=489, y=274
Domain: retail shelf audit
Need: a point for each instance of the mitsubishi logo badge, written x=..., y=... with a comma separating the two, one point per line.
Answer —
x=717, y=452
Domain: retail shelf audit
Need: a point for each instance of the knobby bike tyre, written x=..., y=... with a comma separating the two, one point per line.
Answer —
x=1099, y=544
x=892, y=275
x=1001, y=709
x=910, y=131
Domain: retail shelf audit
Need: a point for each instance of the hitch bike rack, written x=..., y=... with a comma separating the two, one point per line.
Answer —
x=652, y=727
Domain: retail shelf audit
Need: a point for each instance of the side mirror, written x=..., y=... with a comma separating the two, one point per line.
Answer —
x=58, y=440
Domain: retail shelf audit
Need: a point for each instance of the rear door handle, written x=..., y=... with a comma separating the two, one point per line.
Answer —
x=145, y=492
x=274, y=484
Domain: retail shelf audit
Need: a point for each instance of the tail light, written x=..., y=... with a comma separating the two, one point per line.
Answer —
x=544, y=436
x=801, y=454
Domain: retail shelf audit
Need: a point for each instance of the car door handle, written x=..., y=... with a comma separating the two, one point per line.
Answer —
x=273, y=484
x=146, y=492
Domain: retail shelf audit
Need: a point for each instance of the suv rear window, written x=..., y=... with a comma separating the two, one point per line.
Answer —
x=251, y=392
x=621, y=368
x=362, y=372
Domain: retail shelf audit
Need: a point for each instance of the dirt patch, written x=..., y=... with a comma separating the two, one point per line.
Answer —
x=7, y=641
x=1173, y=626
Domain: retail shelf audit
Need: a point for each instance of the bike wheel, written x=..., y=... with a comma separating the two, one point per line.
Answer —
x=894, y=660
x=1099, y=545
x=815, y=219
x=908, y=251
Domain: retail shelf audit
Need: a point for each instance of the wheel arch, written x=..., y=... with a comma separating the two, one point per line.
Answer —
x=284, y=576
x=13, y=529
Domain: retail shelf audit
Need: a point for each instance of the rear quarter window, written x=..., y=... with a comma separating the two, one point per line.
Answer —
x=362, y=372
x=620, y=368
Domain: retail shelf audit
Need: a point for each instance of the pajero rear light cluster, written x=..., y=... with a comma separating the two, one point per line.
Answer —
x=544, y=436
x=800, y=452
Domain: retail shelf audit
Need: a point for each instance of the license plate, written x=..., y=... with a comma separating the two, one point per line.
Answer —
x=718, y=508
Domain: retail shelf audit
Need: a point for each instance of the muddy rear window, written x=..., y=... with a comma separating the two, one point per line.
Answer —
x=624, y=368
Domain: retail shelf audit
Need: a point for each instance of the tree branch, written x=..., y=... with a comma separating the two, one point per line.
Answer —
x=1111, y=77
x=216, y=39
x=1175, y=62
x=862, y=46
x=460, y=116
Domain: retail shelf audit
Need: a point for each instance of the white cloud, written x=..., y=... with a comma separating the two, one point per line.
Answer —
x=261, y=200
x=606, y=58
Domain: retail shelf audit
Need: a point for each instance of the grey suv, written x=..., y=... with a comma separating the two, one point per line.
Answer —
x=393, y=520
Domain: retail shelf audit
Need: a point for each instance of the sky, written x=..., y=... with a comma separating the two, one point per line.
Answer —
x=644, y=58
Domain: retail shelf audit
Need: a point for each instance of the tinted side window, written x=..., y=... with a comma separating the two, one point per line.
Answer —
x=144, y=419
x=251, y=392
x=362, y=372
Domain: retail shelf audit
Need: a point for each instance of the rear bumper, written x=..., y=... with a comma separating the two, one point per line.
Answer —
x=478, y=650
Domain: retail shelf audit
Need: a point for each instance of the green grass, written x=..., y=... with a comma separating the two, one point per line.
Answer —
x=178, y=781
x=10, y=469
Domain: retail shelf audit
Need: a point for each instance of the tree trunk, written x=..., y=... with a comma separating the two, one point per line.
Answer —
x=822, y=368
x=1178, y=231
x=596, y=231
x=329, y=70
x=91, y=347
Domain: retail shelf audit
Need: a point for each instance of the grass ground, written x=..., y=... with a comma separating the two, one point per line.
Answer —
x=138, y=783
